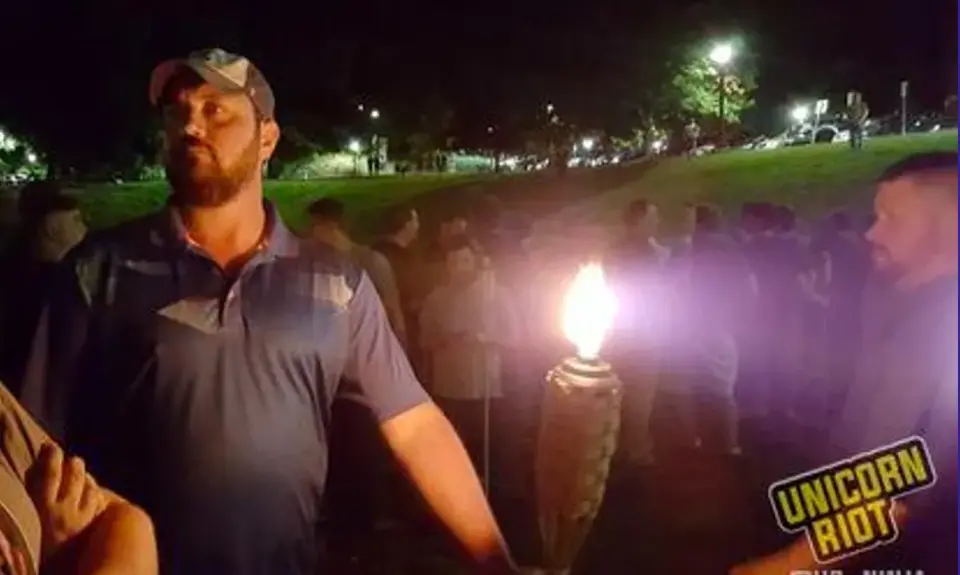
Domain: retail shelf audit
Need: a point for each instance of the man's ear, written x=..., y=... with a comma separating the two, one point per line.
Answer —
x=269, y=136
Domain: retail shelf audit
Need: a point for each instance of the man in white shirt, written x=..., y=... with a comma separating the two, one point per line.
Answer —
x=464, y=325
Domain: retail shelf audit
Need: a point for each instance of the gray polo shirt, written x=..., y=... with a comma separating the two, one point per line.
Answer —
x=206, y=399
x=907, y=385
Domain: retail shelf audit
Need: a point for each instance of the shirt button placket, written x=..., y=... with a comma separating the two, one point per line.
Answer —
x=228, y=307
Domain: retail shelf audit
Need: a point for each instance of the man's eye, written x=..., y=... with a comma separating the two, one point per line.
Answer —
x=212, y=109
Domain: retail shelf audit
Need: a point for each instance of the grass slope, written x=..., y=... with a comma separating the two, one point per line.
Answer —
x=108, y=204
x=810, y=177
x=814, y=179
x=536, y=194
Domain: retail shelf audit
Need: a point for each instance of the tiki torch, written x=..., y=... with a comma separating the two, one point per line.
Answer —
x=580, y=420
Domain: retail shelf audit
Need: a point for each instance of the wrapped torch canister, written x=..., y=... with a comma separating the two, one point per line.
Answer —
x=580, y=421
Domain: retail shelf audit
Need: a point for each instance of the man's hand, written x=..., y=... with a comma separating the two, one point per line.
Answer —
x=66, y=497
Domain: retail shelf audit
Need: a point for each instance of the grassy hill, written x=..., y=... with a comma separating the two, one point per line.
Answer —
x=810, y=177
x=814, y=179
x=536, y=193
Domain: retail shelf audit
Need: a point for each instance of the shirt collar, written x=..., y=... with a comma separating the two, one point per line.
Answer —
x=278, y=241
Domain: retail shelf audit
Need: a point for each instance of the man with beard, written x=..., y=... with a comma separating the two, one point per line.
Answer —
x=906, y=382
x=191, y=356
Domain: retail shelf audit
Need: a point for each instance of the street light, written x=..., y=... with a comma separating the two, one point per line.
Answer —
x=354, y=146
x=587, y=144
x=374, y=114
x=800, y=114
x=722, y=55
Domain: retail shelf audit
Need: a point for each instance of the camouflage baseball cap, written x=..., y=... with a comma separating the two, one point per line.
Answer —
x=221, y=69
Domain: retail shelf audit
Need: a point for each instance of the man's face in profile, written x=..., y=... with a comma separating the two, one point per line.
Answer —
x=213, y=142
x=904, y=230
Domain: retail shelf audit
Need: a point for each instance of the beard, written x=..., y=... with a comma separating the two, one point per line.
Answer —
x=200, y=179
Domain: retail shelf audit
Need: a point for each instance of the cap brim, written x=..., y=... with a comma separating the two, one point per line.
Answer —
x=165, y=71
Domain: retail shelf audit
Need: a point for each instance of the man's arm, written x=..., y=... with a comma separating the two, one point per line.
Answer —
x=418, y=434
x=86, y=529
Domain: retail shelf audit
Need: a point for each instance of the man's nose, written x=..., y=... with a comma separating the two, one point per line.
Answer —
x=193, y=129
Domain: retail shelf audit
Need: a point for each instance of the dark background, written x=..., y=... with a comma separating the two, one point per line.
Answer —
x=78, y=70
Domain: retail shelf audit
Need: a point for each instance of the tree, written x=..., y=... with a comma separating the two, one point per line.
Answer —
x=697, y=90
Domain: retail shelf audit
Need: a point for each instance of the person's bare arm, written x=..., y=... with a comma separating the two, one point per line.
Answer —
x=428, y=449
x=418, y=434
x=85, y=528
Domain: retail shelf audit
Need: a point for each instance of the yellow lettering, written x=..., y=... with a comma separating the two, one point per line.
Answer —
x=867, y=481
x=825, y=537
x=860, y=525
x=881, y=517
x=792, y=514
x=849, y=498
x=889, y=473
x=831, y=491
x=815, y=500
x=913, y=465
x=844, y=530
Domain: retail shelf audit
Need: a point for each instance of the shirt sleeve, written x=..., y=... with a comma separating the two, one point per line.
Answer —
x=375, y=360
x=57, y=348
x=20, y=435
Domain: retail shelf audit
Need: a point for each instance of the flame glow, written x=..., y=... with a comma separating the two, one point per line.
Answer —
x=588, y=311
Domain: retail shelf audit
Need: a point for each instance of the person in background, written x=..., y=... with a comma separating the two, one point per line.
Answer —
x=635, y=269
x=54, y=518
x=327, y=226
x=51, y=225
x=777, y=260
x=191, y=356
x=802, y=321
x=692, y=131
x=845, y=257
x=906, y=382
x=464, y=326
x=857, y=114
x=400, y=229
x=452, y=225
x=719, y=288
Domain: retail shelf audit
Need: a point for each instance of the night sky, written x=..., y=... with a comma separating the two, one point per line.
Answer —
x=79, y=69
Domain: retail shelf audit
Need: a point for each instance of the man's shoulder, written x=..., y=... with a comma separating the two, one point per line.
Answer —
x=328, y=266
x=138, y=234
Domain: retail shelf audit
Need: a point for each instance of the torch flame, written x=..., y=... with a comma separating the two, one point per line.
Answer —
x=589, y=310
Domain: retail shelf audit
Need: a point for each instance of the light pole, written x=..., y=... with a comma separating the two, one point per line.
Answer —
x=722, y=55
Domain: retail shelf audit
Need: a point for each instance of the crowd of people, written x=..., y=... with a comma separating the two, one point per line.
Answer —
x=211, y=367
